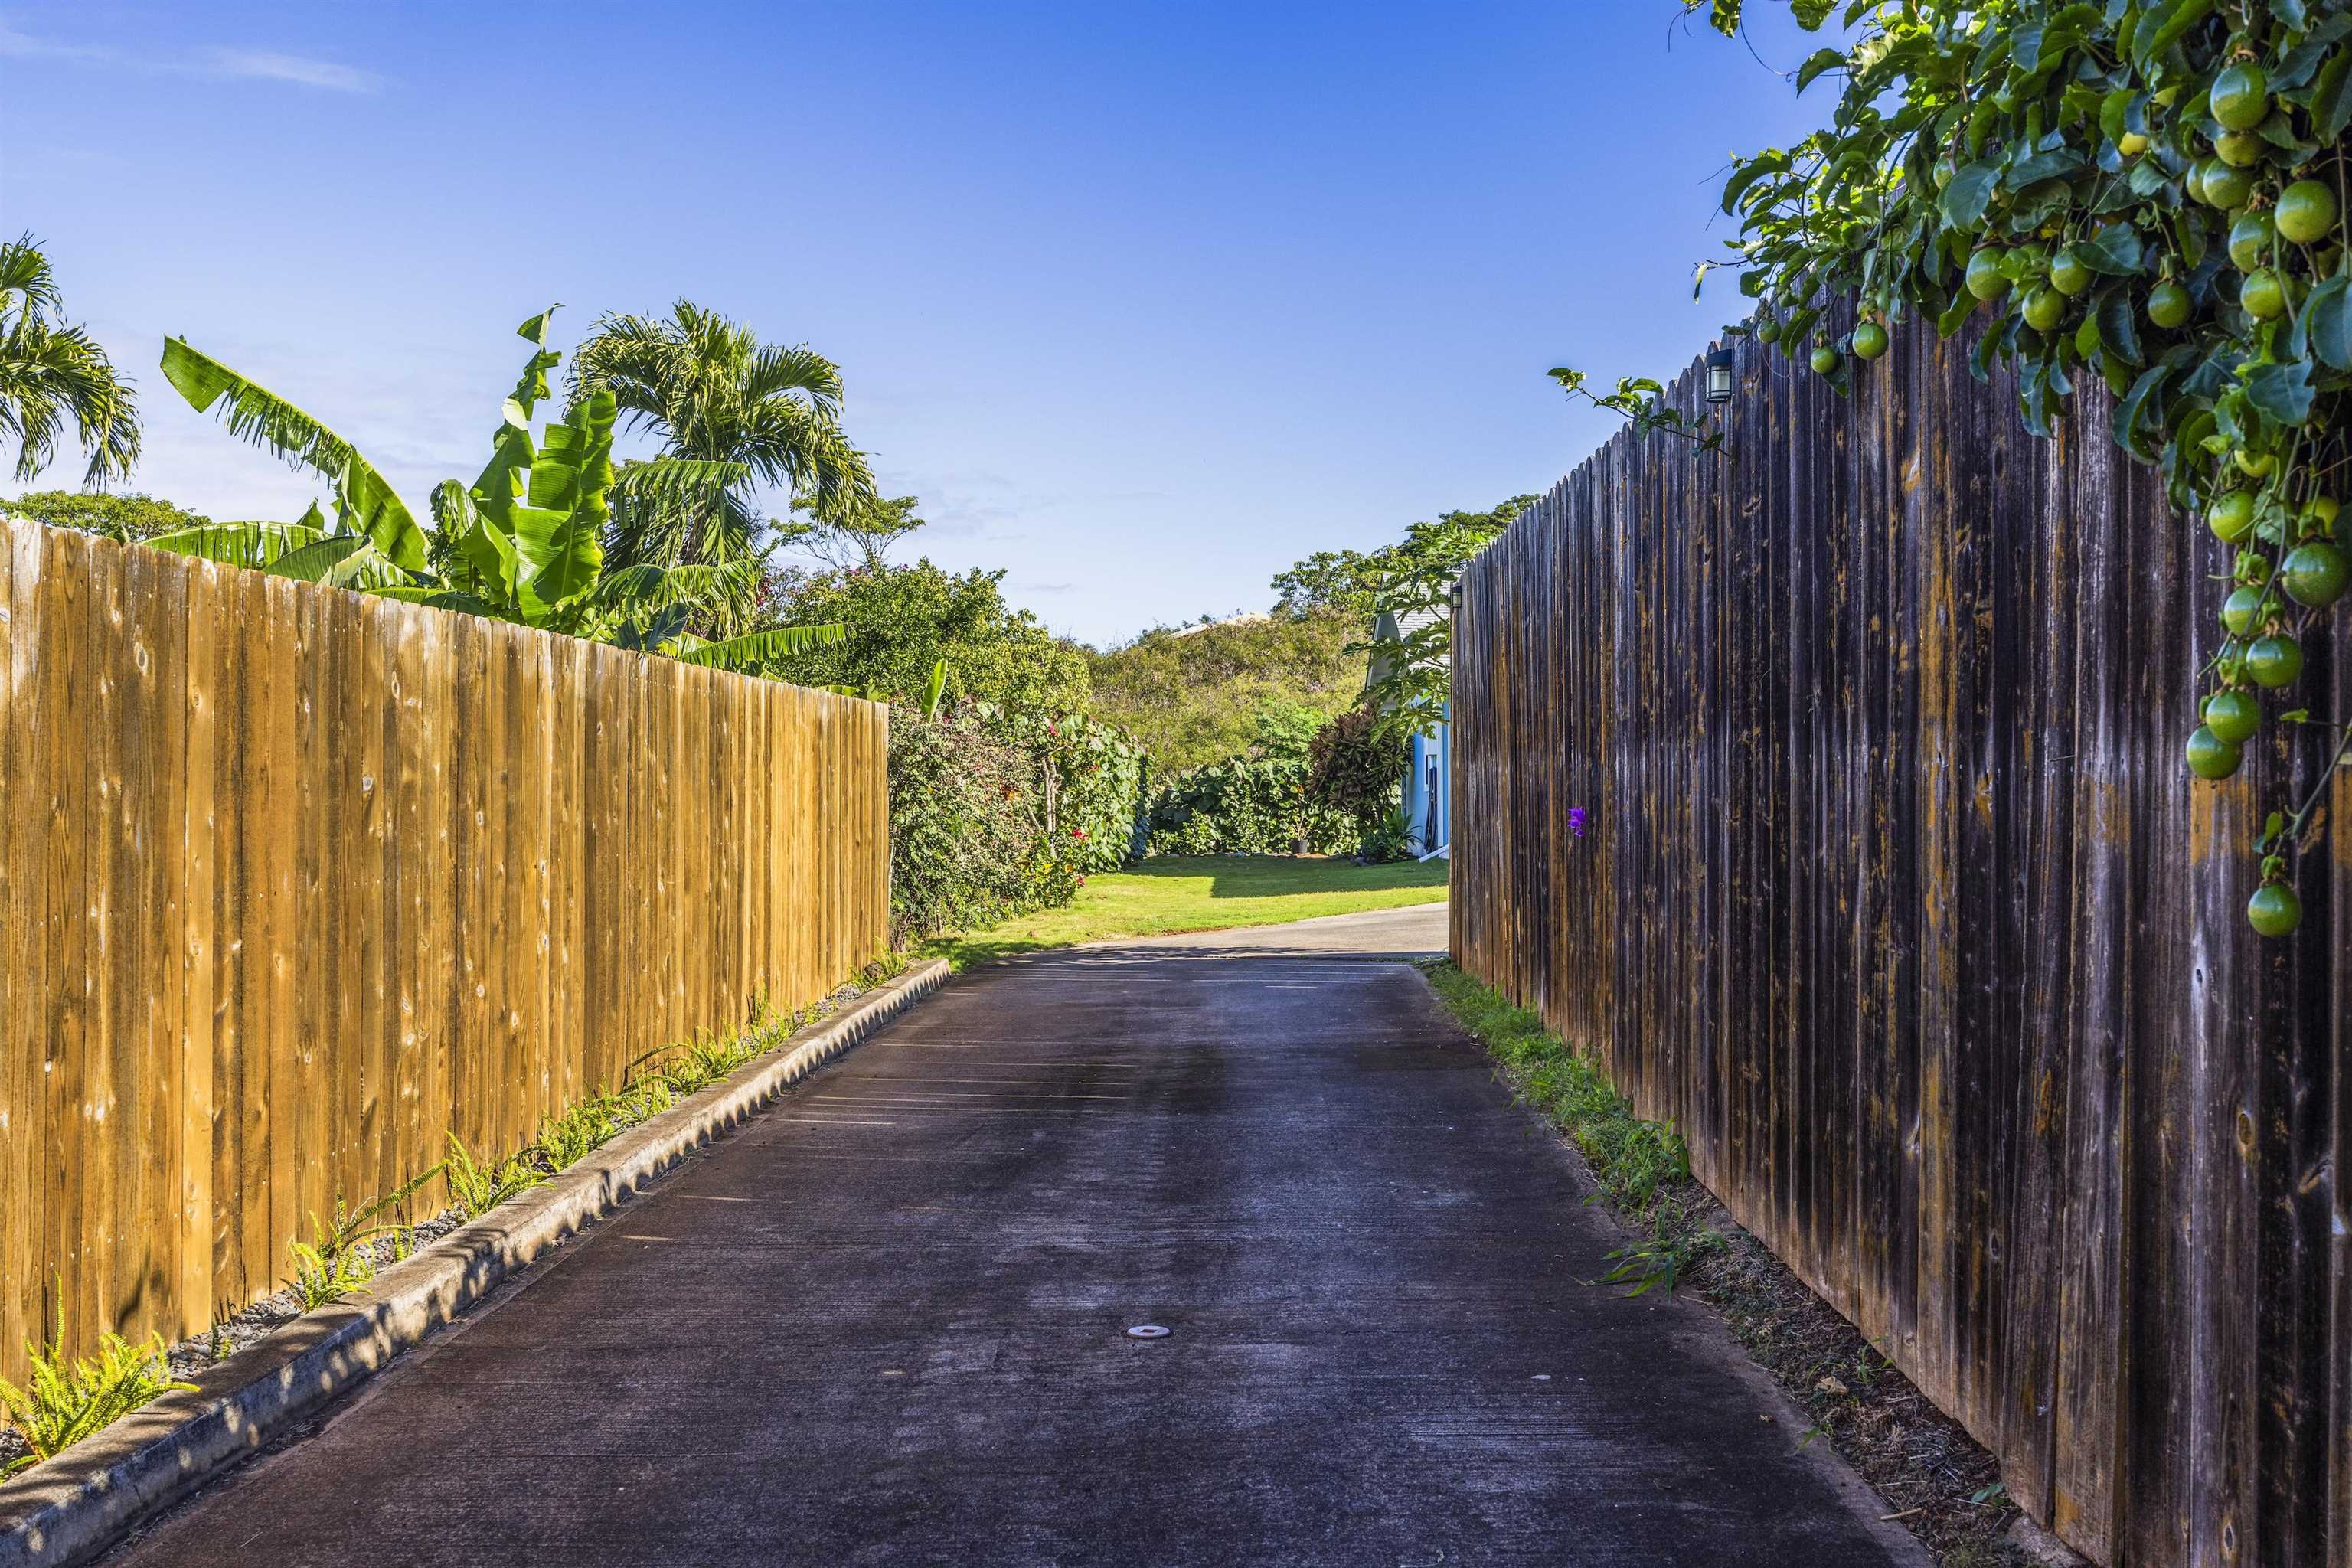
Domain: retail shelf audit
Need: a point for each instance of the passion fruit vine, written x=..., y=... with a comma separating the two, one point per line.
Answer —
x=2078, y=201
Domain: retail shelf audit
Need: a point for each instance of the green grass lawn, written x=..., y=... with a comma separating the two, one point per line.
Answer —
x=1203, y=893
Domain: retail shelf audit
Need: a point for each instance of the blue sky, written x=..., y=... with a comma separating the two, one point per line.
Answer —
x=1146, y=302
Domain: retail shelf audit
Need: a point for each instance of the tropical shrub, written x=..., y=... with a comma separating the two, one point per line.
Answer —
x=1356, y=765
x=1093, y=774
x=968, y=842
x=1247, y=806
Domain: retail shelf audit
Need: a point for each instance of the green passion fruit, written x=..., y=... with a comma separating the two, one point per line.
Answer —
x=2250, y=240
x=2239, y=148
x=2233, y=716
x=2045, y=308
x=1986, y=279
x=2306, y=212
x=2315, y=573
x=1826, y=360
x=1768, y=332
x=2241, y=97
x=2223, y=186
x=2168, y=304
x=2319, y=512
x=2252, y=464
x=2263, y=296
x=2231, y=515
x=2274, y=661
x=2275, y=910
x=2211, y=757
x=2241, y=611
x=1869, y=341
x=2067, y=273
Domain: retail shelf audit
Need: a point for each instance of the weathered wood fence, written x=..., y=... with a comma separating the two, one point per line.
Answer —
x=1898, y=899
x=295, y=882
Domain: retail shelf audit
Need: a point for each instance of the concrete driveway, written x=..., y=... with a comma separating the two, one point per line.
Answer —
x=889, y=1322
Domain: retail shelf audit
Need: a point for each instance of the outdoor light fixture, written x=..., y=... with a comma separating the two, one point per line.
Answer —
x=1718, y=375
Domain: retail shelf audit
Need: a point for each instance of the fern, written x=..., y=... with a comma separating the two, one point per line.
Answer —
x=477, y=1186
x=67, y=1402
x=567, y=1139
x=325, y=1274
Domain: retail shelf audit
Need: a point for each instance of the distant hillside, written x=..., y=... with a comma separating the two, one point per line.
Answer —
x=1194, y=694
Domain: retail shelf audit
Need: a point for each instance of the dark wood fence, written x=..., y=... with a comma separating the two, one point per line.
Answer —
x=1898, y=899
x=294, y=883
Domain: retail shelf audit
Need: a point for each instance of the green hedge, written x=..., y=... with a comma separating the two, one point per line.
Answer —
x=995, y=813
x=1249, y=806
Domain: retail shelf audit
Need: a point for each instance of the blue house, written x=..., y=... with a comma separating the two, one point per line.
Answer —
x=1428, y=781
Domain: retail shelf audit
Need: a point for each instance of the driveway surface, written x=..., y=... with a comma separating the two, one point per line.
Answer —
x=887, y=1322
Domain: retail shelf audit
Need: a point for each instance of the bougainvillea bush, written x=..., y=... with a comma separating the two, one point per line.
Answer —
x=2149, y=192
x=995, y=813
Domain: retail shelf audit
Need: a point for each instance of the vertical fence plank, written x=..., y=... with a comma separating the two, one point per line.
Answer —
x=21, y=973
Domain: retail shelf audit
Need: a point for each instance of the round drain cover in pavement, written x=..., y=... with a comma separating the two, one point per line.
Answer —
x=1147, y=1331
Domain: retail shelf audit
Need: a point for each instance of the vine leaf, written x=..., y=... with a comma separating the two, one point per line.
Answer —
x=2117, y=332
x=2331, y=101
x=2281, y=391
x=1971, y=189
x=2128, y=411
x=2327, y=320
x=2114, y=250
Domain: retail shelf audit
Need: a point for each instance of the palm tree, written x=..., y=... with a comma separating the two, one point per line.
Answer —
x=712, y=392
x=50, y=371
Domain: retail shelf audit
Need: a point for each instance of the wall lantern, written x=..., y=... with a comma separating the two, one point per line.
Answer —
x=1718, y=375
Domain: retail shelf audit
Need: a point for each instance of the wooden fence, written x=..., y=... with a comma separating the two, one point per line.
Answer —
x=1898, y=899
x=295, y=882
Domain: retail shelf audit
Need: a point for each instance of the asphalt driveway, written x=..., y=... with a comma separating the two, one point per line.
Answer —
x=887, y=1322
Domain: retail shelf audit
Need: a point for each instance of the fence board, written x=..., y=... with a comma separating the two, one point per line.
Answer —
x=296, y=883
x=1898, y=901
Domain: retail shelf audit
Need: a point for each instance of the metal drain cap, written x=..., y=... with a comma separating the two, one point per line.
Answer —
x=1148, y=1332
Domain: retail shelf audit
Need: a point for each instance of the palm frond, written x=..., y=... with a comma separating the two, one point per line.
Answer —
x=675, y=479
x=757, y=647
x=255, y=415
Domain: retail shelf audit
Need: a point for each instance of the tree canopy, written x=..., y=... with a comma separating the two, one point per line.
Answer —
x=899, y=621
x=127, y=518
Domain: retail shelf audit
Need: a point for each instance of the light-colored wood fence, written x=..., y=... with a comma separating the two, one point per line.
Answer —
x=1898, y=899
x=294, y=882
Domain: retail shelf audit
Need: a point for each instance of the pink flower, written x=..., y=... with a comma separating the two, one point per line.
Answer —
x=1078, y=833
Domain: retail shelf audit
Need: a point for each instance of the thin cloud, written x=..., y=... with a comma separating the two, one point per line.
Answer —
x=237, y=65
x=14, y=45
x=264, y=65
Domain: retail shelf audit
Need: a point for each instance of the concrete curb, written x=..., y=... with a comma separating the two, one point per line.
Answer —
x=73, y=1507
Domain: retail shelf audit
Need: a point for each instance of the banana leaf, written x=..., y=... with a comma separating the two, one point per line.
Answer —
x=252, y=412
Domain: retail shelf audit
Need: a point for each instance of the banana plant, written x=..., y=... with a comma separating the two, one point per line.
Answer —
x=523, y=543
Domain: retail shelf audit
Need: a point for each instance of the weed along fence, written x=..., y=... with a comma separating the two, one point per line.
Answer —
x=294, y=883
x=1898, y=899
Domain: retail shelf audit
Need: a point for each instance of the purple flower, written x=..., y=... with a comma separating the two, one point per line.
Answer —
x=1575, y=820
